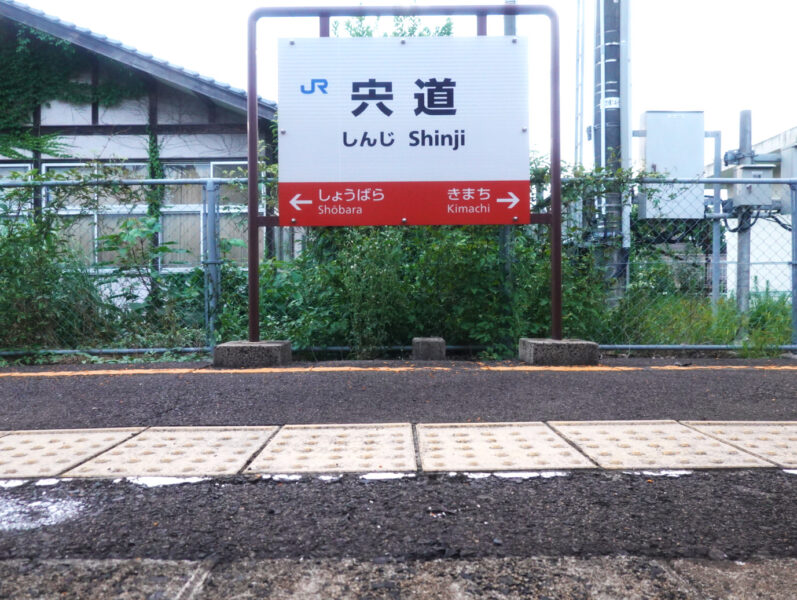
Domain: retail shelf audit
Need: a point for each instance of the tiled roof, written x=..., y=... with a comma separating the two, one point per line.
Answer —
x=143, y=61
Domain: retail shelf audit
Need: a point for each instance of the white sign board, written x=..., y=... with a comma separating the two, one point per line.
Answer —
x=404, y=130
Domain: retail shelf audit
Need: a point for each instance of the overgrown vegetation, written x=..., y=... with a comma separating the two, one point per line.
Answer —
x=366, y=288
x=38, y=68
x=52, y=296
x=373, y=287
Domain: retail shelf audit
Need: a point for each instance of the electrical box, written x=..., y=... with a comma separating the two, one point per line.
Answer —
x=673, y=146
x=755, y=194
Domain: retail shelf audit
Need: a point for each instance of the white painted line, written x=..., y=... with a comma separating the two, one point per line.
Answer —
x=338, y=448
x=51, y=452
x=382, y=476
x=653, y=445
x=151, y=482
x=286, y=477
x=530, y=474
x=12, y=483
x=775, y=441
x=660, y=473
x=178, y=452
x=496, y=447
x=517, y=474
x=19, y=515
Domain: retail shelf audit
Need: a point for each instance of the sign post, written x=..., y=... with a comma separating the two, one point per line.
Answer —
x=416, y=131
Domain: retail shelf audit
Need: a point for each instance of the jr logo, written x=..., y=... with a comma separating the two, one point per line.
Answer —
x=316, y=84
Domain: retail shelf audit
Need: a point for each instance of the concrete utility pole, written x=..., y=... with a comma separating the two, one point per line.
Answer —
x=578, y=154
x=744, y=223
x=611, y=126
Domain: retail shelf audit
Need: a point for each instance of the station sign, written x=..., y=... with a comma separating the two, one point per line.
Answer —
x=390, y=131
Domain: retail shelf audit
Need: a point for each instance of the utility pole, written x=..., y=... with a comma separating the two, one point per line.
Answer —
x=744, y=220
x=611, y=135
x=578, y=155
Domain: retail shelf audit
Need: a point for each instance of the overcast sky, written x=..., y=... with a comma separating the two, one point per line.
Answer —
x=718, y=56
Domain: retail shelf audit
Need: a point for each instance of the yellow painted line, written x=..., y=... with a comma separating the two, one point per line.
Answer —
x=99, y=372
x=265, y=370
x=350, y=369
x=584, y=369
x=702, y=367
x=725, y=368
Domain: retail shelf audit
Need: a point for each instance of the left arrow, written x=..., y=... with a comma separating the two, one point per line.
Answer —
x=295, y=202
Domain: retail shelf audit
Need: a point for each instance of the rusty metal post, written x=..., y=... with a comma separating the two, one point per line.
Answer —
x=481, y=23
x=556, y=185
x=253, y=256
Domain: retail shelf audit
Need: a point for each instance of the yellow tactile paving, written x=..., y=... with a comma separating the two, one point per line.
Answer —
x=513, y=447
x=495, y=447
x=775, y=441
x=51, y=452
x=338, y=448
x=653, y=445
x=179, y=451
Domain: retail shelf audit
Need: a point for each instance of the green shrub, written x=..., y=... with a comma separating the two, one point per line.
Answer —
x=48, y=297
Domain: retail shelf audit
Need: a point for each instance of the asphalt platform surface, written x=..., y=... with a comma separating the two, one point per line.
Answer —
x=580, y=534
x=434, y=392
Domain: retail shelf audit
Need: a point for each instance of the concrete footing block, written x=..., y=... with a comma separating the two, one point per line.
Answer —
x=243, y=354
x=558, y=352
x=429, y=348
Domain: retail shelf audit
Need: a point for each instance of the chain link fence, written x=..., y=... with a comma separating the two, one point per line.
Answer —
x=127, y=264
x=724, y=280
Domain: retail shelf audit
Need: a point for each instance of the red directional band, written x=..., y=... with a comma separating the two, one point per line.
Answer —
x=404, y=203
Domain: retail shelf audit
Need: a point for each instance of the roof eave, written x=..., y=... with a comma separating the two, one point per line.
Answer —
x=132, y=59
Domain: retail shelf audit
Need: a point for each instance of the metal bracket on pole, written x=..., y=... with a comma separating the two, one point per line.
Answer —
x=793, y=188
x=716, y=232
x=324, y=14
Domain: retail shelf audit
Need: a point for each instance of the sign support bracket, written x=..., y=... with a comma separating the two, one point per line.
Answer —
x=553, y=219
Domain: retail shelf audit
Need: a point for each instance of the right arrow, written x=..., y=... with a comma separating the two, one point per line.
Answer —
x=295, y=202
x=511, y=201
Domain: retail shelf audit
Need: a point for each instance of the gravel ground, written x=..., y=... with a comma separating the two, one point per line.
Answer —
x=544, y=578
x=738, y=515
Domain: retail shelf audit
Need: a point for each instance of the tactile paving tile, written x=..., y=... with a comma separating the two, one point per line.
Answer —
x=652, y=444
x=338, y=448
x=771, y=440
x=47, y=453
x=495, y=447
x=179, y=451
